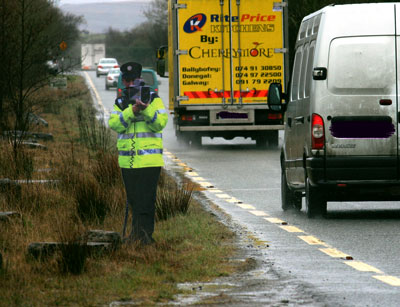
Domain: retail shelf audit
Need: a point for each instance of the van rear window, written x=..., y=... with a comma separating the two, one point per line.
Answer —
x=362, y=65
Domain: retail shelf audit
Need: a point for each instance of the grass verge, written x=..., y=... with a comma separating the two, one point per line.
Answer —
x=88, y=194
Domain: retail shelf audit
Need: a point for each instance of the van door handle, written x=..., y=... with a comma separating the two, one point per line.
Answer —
x=299, y=119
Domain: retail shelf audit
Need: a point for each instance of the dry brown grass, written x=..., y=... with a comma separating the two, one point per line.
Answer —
x=188, y=241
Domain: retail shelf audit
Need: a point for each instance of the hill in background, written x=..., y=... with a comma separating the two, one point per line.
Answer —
x=100, y=16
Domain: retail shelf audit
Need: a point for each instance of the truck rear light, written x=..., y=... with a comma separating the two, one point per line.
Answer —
x=274, y=116
x=188, y=118
x=317, y=132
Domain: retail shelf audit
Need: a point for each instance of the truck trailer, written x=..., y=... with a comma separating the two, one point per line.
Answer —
x=222, y=55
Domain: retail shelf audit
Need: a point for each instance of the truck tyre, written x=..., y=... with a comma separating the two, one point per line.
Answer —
x=261, y=141
x=315, y=202
x=273, y=139
x=290, y=199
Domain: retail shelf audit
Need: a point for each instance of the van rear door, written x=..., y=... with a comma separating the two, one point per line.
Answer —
x=361, y=105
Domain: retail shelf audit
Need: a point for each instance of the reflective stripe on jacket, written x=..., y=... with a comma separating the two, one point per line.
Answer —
x=140, y=136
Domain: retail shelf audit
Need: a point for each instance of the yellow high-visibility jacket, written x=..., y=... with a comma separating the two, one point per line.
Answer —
x=140, y=135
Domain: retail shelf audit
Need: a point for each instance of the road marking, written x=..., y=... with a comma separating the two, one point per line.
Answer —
x=274, y=220
x=198, y=178
x=363, y=267
x=222, y=195
x=390, y=280
x=233, y=200
x=215, y=191
x=258, y=213
x=333, y=252
x=96, y=93
x=291, y=228
x=312, y=240
x=246, y=206
x=205, y=184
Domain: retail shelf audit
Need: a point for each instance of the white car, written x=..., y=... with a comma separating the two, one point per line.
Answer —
x=112, y=78
x=105, y=64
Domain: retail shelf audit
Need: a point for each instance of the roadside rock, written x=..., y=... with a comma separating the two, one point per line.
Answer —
x=6, y=216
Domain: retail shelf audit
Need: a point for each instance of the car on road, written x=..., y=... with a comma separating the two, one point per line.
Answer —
x=148, y=75
x=104, y=66
x=112, y=78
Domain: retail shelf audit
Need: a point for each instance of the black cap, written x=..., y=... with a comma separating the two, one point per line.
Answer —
x=131, y=69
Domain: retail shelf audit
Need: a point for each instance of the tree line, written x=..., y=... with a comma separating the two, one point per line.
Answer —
x=32, y=33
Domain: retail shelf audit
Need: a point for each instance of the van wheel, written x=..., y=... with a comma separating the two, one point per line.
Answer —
x=273, y=139
x=315, y=202
x=289, y=198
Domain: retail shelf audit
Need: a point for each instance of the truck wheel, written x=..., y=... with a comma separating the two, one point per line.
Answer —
x=196, y=141
x=290, y=199
x=261, y=141
x=315, y=202
x=273, y=139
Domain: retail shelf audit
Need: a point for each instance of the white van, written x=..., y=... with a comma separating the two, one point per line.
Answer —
x=342, y=108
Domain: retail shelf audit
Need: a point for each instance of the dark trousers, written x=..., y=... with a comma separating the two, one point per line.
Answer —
x=141, y=188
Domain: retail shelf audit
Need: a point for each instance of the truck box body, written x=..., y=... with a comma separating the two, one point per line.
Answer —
x=223, y=55
x=91, y=55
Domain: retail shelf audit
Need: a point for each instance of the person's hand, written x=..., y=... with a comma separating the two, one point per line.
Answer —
x=139, y=106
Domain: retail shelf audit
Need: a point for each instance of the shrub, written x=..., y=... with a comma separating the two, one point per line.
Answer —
x=172, y=199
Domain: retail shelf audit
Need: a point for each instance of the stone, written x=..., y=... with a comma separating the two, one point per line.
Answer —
x=104, y=236
x=6, y=216
x=42, y=250
x=36, y=119
x=39, y=250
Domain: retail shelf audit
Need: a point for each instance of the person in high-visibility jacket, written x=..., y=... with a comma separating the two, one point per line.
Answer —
x=139, y=125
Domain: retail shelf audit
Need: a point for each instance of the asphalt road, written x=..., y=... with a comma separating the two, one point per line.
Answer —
x=351, y=258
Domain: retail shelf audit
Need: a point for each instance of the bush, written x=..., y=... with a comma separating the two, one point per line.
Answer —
x=172, y=199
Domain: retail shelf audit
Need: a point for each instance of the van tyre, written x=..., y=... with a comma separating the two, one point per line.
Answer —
x=273, y=139
x=290, y=199
x=315, y=202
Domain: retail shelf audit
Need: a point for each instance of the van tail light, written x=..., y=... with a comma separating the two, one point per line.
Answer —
x=116, y=66
x=109, y=78
x=100, y=66
x=317, y=132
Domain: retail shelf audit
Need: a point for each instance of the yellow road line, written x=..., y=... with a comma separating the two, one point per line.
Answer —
x=363, y=267
x=246, y=206
x=291, y=228
x=222, y=195
x=390, y=280
x=258, y=213
x=192, y=174
x=96, y=93
x=333, y=252
x=312, y=240
x=198, y=178
x=233, y=200
x=274, y=220
x=205, y=184
x=214, y=191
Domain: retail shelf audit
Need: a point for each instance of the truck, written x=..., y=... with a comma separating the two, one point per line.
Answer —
x=222, y=55
x=91, y=55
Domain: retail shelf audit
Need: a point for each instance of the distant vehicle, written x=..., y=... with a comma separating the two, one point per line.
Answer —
x=105, y=64
x=342, y=124
x=53, y=67
x=112, y=78
x=148, y=75
x=91, y=55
